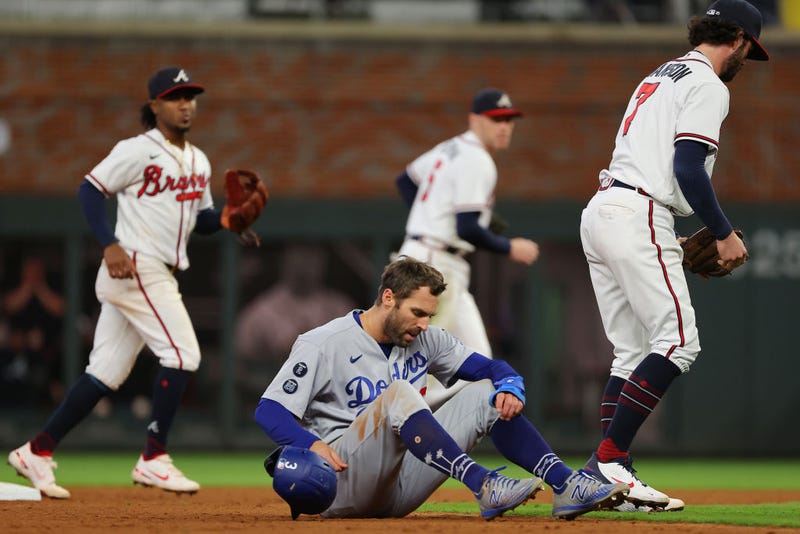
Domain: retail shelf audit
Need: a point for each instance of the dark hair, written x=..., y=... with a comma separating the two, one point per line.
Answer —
x=147, y=117
x=712, y=31
x=406, y=275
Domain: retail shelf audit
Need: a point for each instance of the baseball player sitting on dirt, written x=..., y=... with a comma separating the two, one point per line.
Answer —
x=352, y=391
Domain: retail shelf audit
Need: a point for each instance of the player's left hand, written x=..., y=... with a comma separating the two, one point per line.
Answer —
x=330, y=455
x=508, y=405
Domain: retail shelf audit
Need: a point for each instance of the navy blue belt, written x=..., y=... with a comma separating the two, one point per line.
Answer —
x=617, y=183
x=450, y=249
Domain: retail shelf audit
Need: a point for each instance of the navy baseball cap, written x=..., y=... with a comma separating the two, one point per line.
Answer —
x=169, y=79
x=744, y=15
x=493, y=102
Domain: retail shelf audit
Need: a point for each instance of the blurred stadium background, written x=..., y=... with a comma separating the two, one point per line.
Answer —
x=329, y=100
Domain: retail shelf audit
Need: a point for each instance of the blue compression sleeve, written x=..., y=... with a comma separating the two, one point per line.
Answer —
x=689, y=166
x=208, y=221
x=281, y=426
x=93, y=203
x=407, y=188
x=469, y=230
x=503, y=376
x=477, y=367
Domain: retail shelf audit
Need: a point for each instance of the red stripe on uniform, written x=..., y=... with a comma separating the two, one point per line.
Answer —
x=666, y=280
x=163, y=326
x=697, y=136
x=97, y=182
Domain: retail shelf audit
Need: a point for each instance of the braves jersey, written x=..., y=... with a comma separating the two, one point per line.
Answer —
x=682, y=99
x=456, y=176
x=336, y=370
x=159, y=190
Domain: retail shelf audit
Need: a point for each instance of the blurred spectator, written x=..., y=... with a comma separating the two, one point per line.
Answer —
x=34, y=313
x=297, y=302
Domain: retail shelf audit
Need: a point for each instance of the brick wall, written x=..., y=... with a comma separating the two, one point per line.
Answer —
x=339, y=115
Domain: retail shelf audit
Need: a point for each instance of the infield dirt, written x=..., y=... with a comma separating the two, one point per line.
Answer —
x=235, y=509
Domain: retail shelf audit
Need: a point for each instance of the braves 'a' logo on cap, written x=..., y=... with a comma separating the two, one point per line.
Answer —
x=181, y=77
x=504, y=101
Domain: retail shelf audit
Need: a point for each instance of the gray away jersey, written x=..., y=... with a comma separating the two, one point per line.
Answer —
x=334, y=371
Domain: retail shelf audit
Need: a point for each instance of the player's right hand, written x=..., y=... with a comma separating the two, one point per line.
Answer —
x=523, y=250
x=330, y=455
x=119, y=264
x=732, y=252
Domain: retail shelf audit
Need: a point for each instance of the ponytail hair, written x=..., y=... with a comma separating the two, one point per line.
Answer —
x=147, y=117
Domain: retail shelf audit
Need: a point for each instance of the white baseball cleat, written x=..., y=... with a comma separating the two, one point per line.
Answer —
x=37, y=469
x=622, y=471
x=160, y=472
x=674, y=505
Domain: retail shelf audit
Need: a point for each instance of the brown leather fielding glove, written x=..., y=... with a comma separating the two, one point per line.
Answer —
x=245, y=195
x=700, y=253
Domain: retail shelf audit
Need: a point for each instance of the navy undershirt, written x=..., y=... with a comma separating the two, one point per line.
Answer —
x=466, y=223
x=690, y=171
x=93, y=203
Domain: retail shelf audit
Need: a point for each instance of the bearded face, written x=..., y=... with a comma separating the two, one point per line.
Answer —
x=735, y=62
x=410, y=316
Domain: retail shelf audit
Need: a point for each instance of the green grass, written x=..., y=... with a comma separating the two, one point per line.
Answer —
x=246, y=469
x=756, y=515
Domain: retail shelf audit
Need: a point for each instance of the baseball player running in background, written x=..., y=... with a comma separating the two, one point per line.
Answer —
x=661, y=165
x=162, y=185
x=451, y=190
x=351, y=391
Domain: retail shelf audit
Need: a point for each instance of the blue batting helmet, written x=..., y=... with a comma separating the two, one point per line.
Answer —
x=302, y=478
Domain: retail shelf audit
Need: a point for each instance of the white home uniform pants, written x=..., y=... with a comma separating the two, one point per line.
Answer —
x=635, y=266
x=457, y=312
x=146, y=309
x=383, y=479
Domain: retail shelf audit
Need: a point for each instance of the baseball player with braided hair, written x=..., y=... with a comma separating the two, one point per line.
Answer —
x=351, y=392
x=162, y=186
x=665, y=151
x=450, y=190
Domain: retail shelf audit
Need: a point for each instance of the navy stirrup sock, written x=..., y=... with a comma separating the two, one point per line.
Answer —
x=425, y=438
x=167, y=393
x=608, y=404
x=639, y=396
x=79, y=402
x=519, y=441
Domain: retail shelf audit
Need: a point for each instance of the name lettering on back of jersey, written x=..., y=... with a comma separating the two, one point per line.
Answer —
x=155, y=183
x=675, y=71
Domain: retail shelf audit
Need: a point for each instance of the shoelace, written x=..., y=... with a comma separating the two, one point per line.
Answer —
x=49, y=461
x=628, y=465
x=171, y=467
x=503, y=482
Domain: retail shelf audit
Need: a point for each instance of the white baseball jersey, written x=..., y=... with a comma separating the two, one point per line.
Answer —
x=336, y=370
x=682, y=99
x=628, y=236
x=159, y=191
x=456, y=176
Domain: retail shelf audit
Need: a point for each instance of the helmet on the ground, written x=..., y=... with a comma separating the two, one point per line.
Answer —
x=302, y=478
